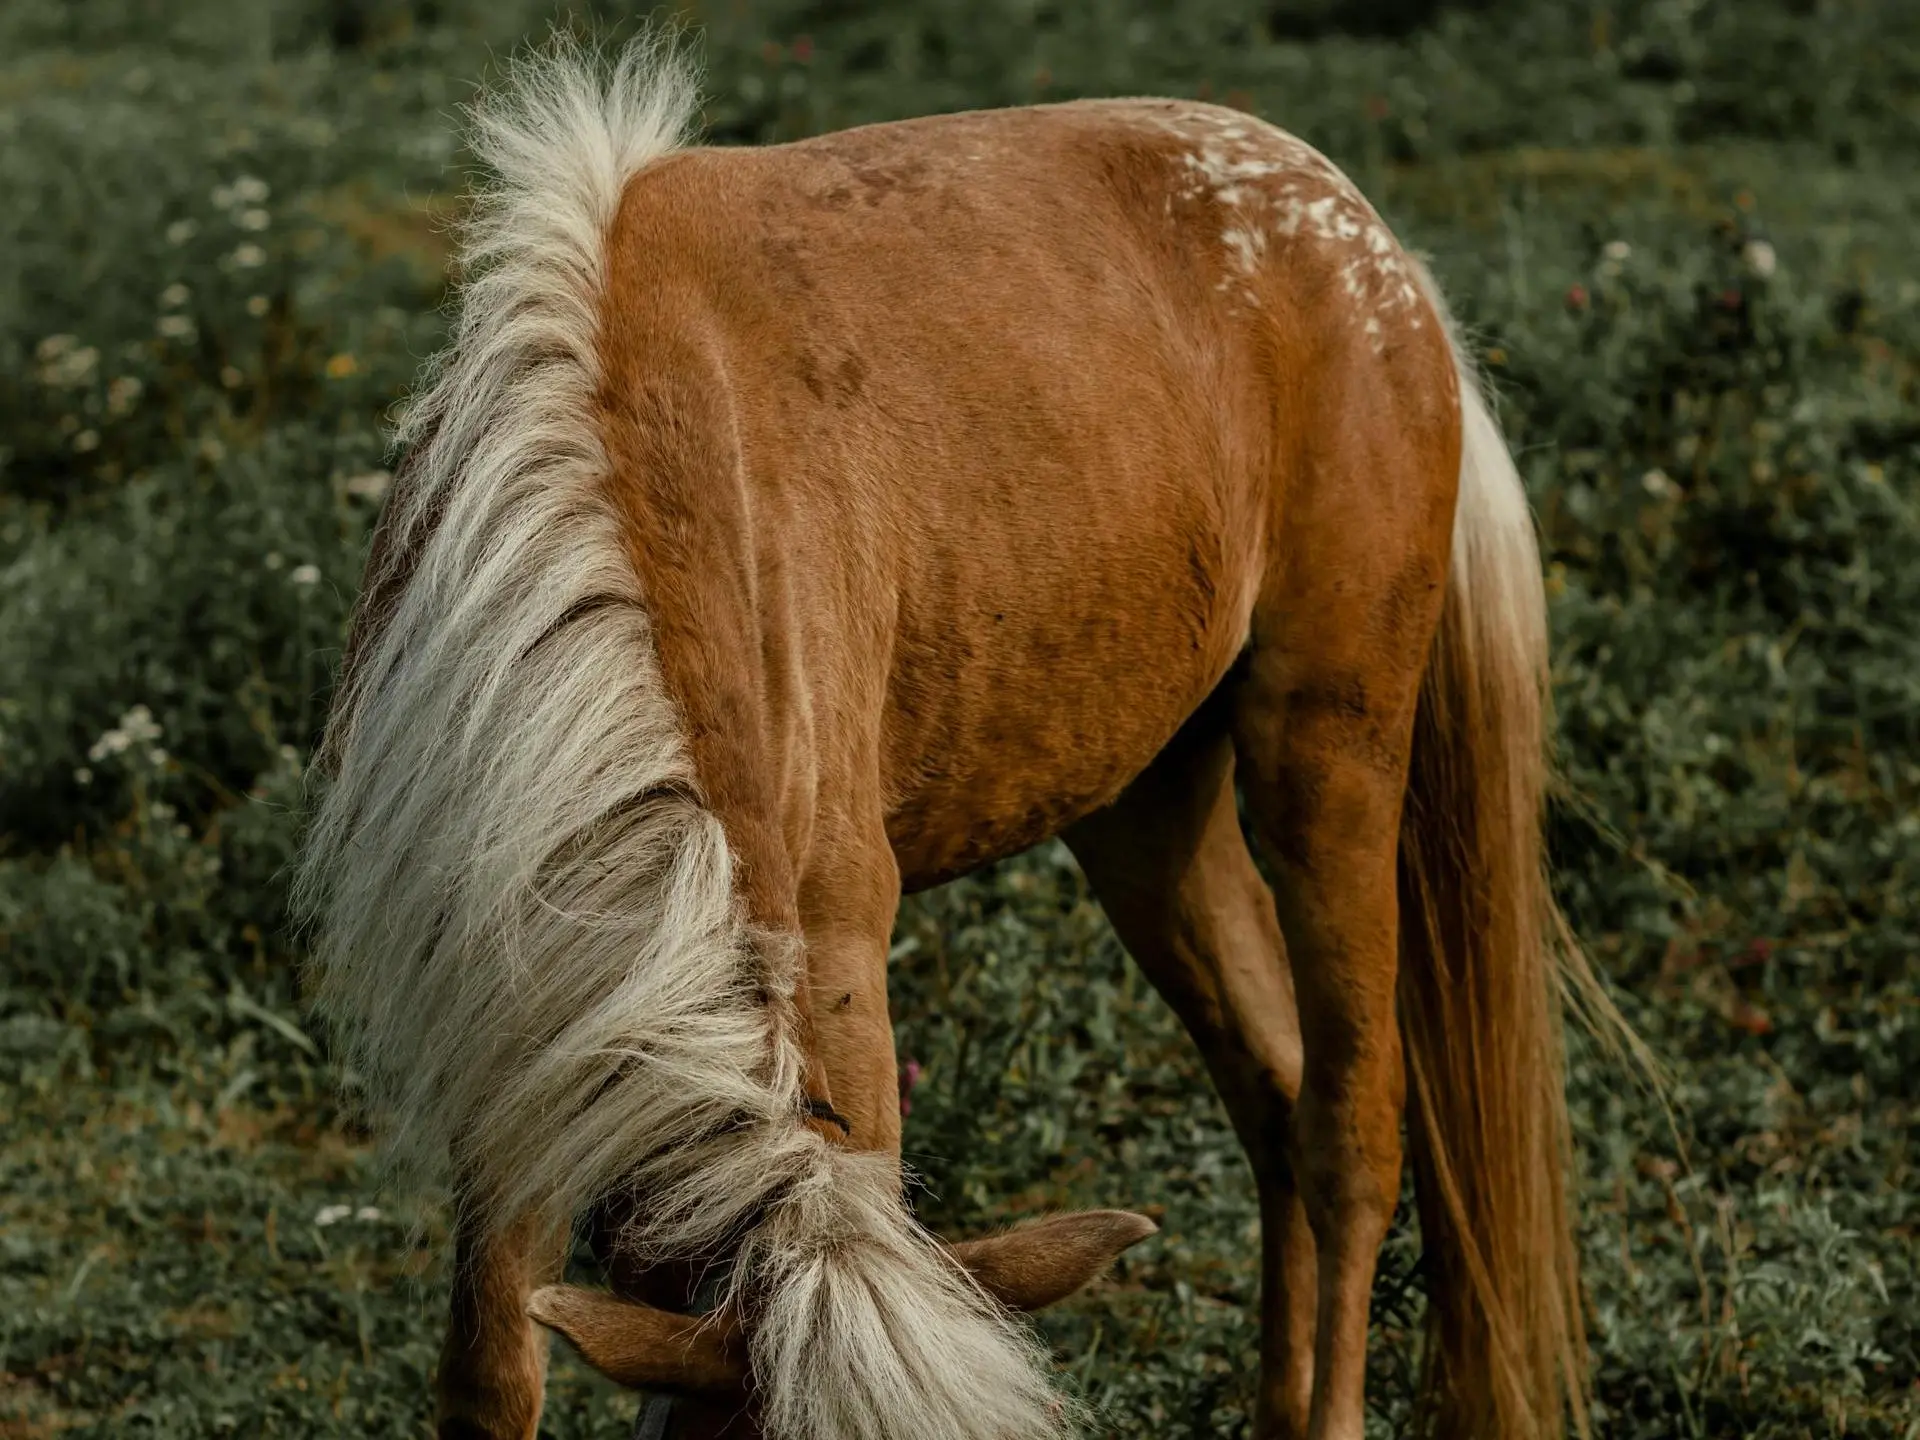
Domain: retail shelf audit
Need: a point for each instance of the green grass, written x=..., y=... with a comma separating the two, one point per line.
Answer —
x=1727, y=468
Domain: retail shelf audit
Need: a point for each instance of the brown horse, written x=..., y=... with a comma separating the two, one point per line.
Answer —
x=786, y=528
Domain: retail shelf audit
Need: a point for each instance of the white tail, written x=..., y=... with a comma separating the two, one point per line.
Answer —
x=527, y=931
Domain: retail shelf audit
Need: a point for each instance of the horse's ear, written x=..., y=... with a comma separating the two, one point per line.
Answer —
x=643, y=1348
x=1035, y=1265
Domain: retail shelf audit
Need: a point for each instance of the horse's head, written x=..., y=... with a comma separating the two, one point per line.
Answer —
x=704, y=1358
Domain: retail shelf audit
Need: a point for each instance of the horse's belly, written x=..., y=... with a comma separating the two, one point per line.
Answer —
x=1051, y=686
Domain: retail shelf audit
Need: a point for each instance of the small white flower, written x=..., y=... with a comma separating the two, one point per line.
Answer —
x=1759, y=257
x=367, y=1212
x=1657, y=484
x=254, y=219
x=174, y=296
x=369, y=484
x=256, y=305
x=139, y=723
x=181, y=231
x=122, y=391
x=65, y=364
x=222, y=196
x=137, y=726
x=250, y=189
x=86, y=440
x=175, y=327
x=332, y=1214
x=84, y=775
x=273, y=560
x=1616, y=250
x=304, y=575
x=156, y=757
x=249, y=256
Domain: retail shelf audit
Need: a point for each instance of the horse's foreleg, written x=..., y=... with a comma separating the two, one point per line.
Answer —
x=847, y=905
x=493, y=1365
x=1172, y=870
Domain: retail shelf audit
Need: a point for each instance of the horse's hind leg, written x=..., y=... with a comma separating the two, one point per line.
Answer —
x=493, y=1365
x=1172, y=870
x=1323, y=727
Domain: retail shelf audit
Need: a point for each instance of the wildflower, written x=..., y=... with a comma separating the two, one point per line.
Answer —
x=304, y=575
x=256, y=305
x=122, y=392
x=332, y=1214
x=1759, y=257
x=66, y=364
x=248, y=256
x=86, y=440
x=341, y=366
x=181, y=231
x=367, y=1212
x=1657, y=484
x=254, y=219
x=175, y=327
x=250, y=189
x=1616, y=250
x=231, y=377
x=273, y=560
x=136, y=727
x=803, y=48
x=368, y=485
x=1576, y=297
x=174, y=296
x=909, y=1077
x=84, y=775
x=222, y=197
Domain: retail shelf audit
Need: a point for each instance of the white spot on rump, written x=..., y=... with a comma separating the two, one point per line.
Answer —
x=1278, y=188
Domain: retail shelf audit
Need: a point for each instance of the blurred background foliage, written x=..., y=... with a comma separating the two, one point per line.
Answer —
x=1681, y=231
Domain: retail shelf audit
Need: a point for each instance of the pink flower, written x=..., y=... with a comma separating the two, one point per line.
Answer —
x=1576, y=296
x=909, y=1077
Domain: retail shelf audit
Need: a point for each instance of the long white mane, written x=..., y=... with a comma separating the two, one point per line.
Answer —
x=527, y=929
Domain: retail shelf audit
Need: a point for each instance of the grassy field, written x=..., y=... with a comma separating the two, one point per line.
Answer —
x=1682, y=231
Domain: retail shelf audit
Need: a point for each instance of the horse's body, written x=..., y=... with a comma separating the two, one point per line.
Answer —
x=794, y=526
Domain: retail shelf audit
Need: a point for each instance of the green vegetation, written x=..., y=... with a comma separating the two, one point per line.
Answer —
x=1680, y=228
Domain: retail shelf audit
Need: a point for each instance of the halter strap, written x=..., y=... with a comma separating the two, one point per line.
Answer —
x=821, y=1110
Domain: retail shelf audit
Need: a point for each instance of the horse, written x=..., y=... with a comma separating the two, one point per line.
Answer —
x=784, y=529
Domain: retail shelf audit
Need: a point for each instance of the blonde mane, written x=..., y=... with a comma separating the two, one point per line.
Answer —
x=528, y=935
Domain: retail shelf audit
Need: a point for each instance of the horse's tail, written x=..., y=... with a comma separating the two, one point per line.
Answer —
x=527, y=927
x=1485, y=960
